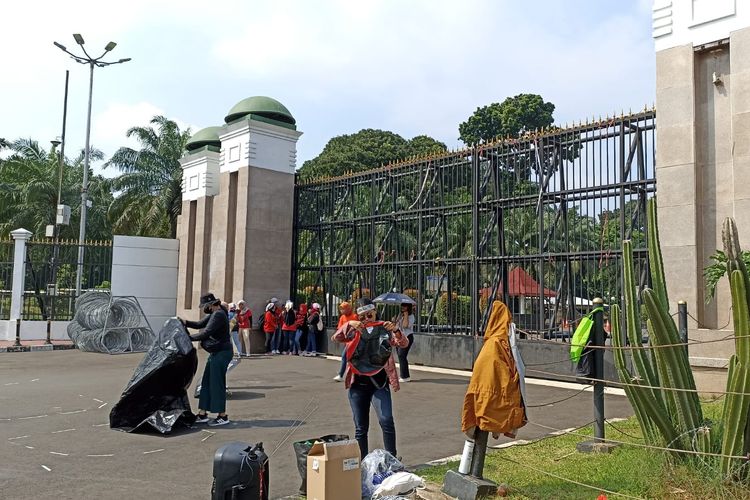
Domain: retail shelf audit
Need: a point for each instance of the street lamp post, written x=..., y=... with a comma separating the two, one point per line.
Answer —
x=92, y=62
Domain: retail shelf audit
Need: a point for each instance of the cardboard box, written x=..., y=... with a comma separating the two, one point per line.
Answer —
x=333, y=471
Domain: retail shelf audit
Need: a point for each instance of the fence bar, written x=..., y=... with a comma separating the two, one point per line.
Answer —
x=49, y=332
x=598, y=340
x=682, y=316
x=17, y=343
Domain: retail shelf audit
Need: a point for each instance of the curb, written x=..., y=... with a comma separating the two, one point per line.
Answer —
x=37, y=348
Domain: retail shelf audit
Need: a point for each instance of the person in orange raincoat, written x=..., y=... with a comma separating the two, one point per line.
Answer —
x=493, y=401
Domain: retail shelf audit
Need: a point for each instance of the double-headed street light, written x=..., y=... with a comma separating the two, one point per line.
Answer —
x=84, y=188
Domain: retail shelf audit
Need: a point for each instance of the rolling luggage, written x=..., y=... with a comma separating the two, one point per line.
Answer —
x=240, y=472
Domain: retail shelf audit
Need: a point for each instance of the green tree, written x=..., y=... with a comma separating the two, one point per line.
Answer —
x=364, y=150
x=524, y=112
x=150, y=185
x=28, y=191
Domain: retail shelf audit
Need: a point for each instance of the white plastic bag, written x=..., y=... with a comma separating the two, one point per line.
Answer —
x=397, y=484
x=376, y=467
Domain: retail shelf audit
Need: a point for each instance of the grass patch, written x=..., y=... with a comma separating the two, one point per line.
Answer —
x=628, y=470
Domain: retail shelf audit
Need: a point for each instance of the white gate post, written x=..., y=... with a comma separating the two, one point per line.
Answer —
x=21, y=236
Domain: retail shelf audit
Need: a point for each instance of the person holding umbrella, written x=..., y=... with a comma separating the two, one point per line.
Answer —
x=405, y=321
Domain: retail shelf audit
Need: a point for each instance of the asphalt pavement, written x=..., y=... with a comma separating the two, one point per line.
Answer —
x=55, y=441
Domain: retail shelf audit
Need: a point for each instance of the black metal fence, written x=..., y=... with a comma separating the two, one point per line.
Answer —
x=537, y=222
x=50, y=282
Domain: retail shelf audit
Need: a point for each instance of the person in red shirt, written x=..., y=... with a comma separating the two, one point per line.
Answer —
x=301, y=325
x=288, y=327
x=244, y=321
x=279, y=338
x=346, y=314
x=270, y=323
x=314, y=323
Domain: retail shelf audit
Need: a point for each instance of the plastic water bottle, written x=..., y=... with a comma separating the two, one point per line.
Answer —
x=465, y=464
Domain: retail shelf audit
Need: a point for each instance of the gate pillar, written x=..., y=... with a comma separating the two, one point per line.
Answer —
x=236, y=226
x=20, y=236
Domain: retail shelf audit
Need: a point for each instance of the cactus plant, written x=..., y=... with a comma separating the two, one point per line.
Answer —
x=735, y=440
x=674, y=411
x=663, y=391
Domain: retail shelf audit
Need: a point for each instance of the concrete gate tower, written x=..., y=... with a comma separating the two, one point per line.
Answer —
x=702, y=151
x=235, y=230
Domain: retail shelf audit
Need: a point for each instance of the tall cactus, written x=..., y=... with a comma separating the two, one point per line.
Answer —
x=675, y=410
x=736, y=438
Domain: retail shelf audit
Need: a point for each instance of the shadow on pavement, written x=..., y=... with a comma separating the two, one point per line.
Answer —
x=443, y=381
x=270, y=424
x=258, y=387
x=245, y=395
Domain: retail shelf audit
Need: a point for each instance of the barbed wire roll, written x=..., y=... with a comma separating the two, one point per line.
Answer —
x=88, y=341
x=74, y=331
x=141, y=339
x=92, y=309
x=114, y=341
x=125, y=312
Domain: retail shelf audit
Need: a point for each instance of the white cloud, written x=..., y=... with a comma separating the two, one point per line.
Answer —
x=412, y=67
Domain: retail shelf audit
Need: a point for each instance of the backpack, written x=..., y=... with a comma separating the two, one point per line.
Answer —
x=290, y=317
x=261, y=320
x=581, y=335
x=369, y=350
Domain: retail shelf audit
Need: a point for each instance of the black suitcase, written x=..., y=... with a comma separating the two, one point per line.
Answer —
x=240, y=472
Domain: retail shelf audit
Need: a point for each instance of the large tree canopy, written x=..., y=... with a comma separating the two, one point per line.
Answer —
x=150, y=184
x=28, y=191
x=512, y=117
x=368, y=148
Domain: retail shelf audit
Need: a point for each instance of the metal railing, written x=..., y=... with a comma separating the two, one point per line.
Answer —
x=50, y=276
x=536, y=221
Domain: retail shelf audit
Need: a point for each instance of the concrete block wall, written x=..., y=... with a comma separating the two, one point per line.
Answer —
x=702, y=155
x=147, y=269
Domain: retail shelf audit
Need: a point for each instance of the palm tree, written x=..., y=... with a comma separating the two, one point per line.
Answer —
x=150, y=186
x=28, y=191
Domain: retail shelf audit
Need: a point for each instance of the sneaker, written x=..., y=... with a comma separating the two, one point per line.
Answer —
x=338, y=378
x=219, y=421
x=407, y=379
x=201, y=419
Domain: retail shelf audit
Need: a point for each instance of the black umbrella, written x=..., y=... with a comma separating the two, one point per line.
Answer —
x=394, y=298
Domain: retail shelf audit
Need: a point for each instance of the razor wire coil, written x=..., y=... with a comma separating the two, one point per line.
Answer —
x=112, y=325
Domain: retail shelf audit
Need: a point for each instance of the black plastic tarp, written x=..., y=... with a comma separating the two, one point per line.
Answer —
x=157, y=393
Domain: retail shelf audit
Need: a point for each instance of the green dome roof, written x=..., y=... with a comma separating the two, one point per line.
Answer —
x=208, y=136
x=261, y=106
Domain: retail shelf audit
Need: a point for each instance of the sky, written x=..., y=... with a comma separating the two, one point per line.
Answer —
x=410, y=66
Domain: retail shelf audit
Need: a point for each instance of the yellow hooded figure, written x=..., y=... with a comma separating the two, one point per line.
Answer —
x=493, y=401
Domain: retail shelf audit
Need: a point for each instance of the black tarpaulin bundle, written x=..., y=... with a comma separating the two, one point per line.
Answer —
x=157, y=393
